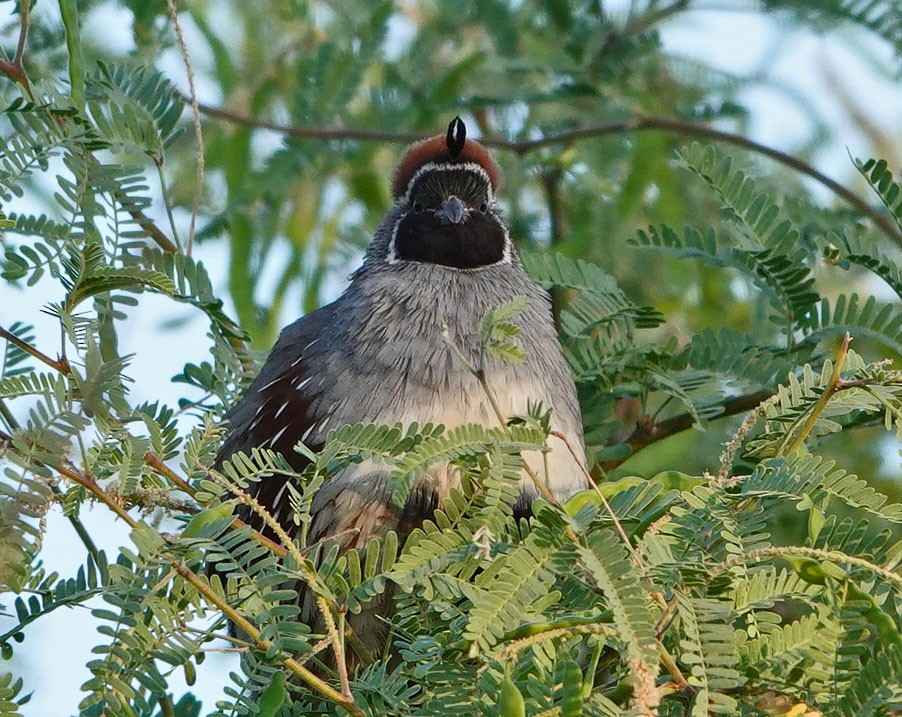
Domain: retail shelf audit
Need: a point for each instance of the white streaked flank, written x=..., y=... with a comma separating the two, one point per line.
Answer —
x=281, y=409
x=261, y=407
x=271, y=383
x=275, y=438
x=300, y=385
x=277, y=501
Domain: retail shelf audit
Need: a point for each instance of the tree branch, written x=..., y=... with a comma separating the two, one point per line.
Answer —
x=60, y=364
x=650, y=432
x=154, y=461
x=815, y=553
x=522, y=146
x=195, y=114
x=147, y=224
x=15, y=70
x=79, y=529
x=264, y=645
x=323, y=688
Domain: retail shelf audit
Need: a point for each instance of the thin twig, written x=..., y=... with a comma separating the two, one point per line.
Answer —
x=523, y=146
x=167, y=200
x=195, y=112
x=309, y=132
x=153, y=461
x=811, y=419
x=146, y=223
x=637, y=667
x=24, y=9
x=303, y=565
x=604, y=501
x=338, y=646
x=262, y=644
x=513, y=648
x=85, y=480
x=15, y=70
x=833, y=555
x=79, y=529
x=673, y=668
x=665, y=656
x=730, y=449
x=69, y=15
x=479, y=374
x=61, y=364
x=97, y=491
x=204, y=589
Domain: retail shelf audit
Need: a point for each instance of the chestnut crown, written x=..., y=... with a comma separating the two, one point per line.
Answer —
x=450, y=148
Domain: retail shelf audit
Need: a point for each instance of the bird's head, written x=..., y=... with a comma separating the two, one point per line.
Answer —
x=445, y=205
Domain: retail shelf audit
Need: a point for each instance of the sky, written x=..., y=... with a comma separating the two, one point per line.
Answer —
x=810, y=67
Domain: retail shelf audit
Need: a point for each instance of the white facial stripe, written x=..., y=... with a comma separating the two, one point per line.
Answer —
x=392, y=256
x=506, y=254
x=446, y=167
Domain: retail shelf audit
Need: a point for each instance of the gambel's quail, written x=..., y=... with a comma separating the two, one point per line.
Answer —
x=441, y=259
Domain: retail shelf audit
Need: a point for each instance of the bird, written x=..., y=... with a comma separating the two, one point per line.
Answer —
x=382, y=352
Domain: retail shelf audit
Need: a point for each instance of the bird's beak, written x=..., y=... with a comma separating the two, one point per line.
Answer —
x=454, y=210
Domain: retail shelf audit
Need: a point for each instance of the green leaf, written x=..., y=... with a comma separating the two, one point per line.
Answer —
x=496, y=331
x=607, y=563
x=879, y=176
x=205, y=517
x=274, y=696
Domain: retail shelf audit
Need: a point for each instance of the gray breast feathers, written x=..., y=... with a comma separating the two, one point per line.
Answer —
x=380, y=354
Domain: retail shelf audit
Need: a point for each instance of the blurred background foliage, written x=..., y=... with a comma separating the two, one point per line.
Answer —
x=305, y=107
x=295, y=210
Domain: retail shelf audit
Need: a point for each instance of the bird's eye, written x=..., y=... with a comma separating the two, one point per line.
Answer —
x=418, y=206
x=483, y=208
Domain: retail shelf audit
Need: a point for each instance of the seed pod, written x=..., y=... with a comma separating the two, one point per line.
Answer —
x=572, y=700
x=510, y=701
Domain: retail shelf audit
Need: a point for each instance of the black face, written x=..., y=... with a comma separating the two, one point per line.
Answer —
x=450, y=221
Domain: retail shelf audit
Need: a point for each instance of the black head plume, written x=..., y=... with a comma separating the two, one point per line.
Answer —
x=457, y=135
x=441, y=149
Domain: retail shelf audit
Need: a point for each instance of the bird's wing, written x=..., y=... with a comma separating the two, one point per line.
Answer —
x=278, y=410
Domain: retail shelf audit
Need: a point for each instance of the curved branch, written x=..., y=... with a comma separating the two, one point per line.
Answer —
x=815, y=553
x=60, y=364
x=522, y=146
x=308, y=132
x=195, y=114
x=15, y=69
x=201, y=586
x=650, y=432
